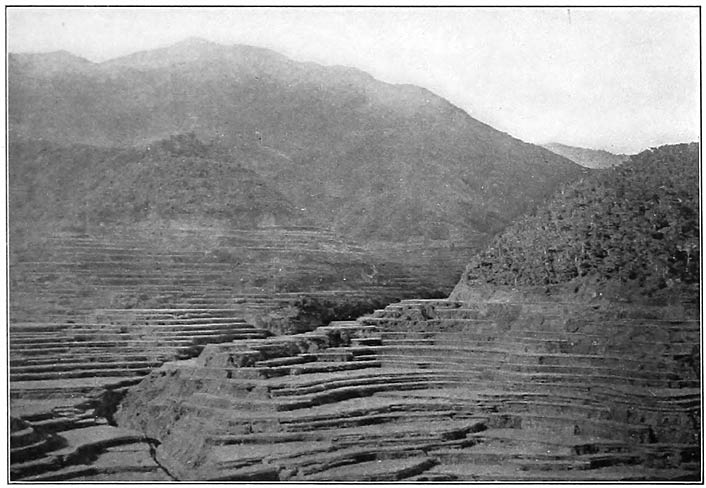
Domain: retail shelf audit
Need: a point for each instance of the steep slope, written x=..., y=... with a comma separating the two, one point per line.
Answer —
x=633, y=229
x=590, y=158
x=370, y=159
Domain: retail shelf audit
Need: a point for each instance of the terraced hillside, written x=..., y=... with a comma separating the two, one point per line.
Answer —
x=437, y=390
x=80, y=449
x=91, y=314
x=191, y=310
x=191, y=266
x=500, y=386
x=494, y=383
x=204, y=194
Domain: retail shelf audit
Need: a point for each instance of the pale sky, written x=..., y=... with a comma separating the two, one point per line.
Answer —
x=621, y=79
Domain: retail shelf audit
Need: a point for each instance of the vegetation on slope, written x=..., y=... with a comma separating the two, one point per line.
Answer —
x=79, y=185
x=636, y=225
x=372, y=160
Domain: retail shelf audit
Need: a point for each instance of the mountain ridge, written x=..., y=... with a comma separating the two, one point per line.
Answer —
x=362, y=156
x=589, y=158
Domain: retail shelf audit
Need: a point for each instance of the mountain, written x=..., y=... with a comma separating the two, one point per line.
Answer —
x=370, y=159
x=590, y=158
x=634, y=228
x=47, y=64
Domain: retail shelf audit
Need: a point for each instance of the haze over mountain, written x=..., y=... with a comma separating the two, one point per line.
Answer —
x=589, y=158
x=331, y=144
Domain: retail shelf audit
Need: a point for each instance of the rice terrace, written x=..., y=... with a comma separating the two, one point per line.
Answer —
x=286, y=244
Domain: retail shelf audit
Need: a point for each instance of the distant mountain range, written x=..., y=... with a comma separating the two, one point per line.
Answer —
x=247, y=135
x=589, y=158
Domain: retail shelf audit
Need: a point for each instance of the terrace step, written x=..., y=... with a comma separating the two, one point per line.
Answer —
x=84, y=373
x=390, y=470
x=122, y=332
x=24, y=437
x=343, y=353
x=32, y=451
x=35, y=467
x=366, y=341
x=342, y=393
x=365, y=428
x=89, y=358
x=510, y=473
x=286, y=361
x=316, y=367
x=60, y=368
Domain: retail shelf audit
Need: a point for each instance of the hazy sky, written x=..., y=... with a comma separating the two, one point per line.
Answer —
x=621, y=79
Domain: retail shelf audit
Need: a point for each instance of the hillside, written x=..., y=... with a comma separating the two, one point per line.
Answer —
x=633, y=229
x=589, y=158
x=175, y=178
x=371, y=160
